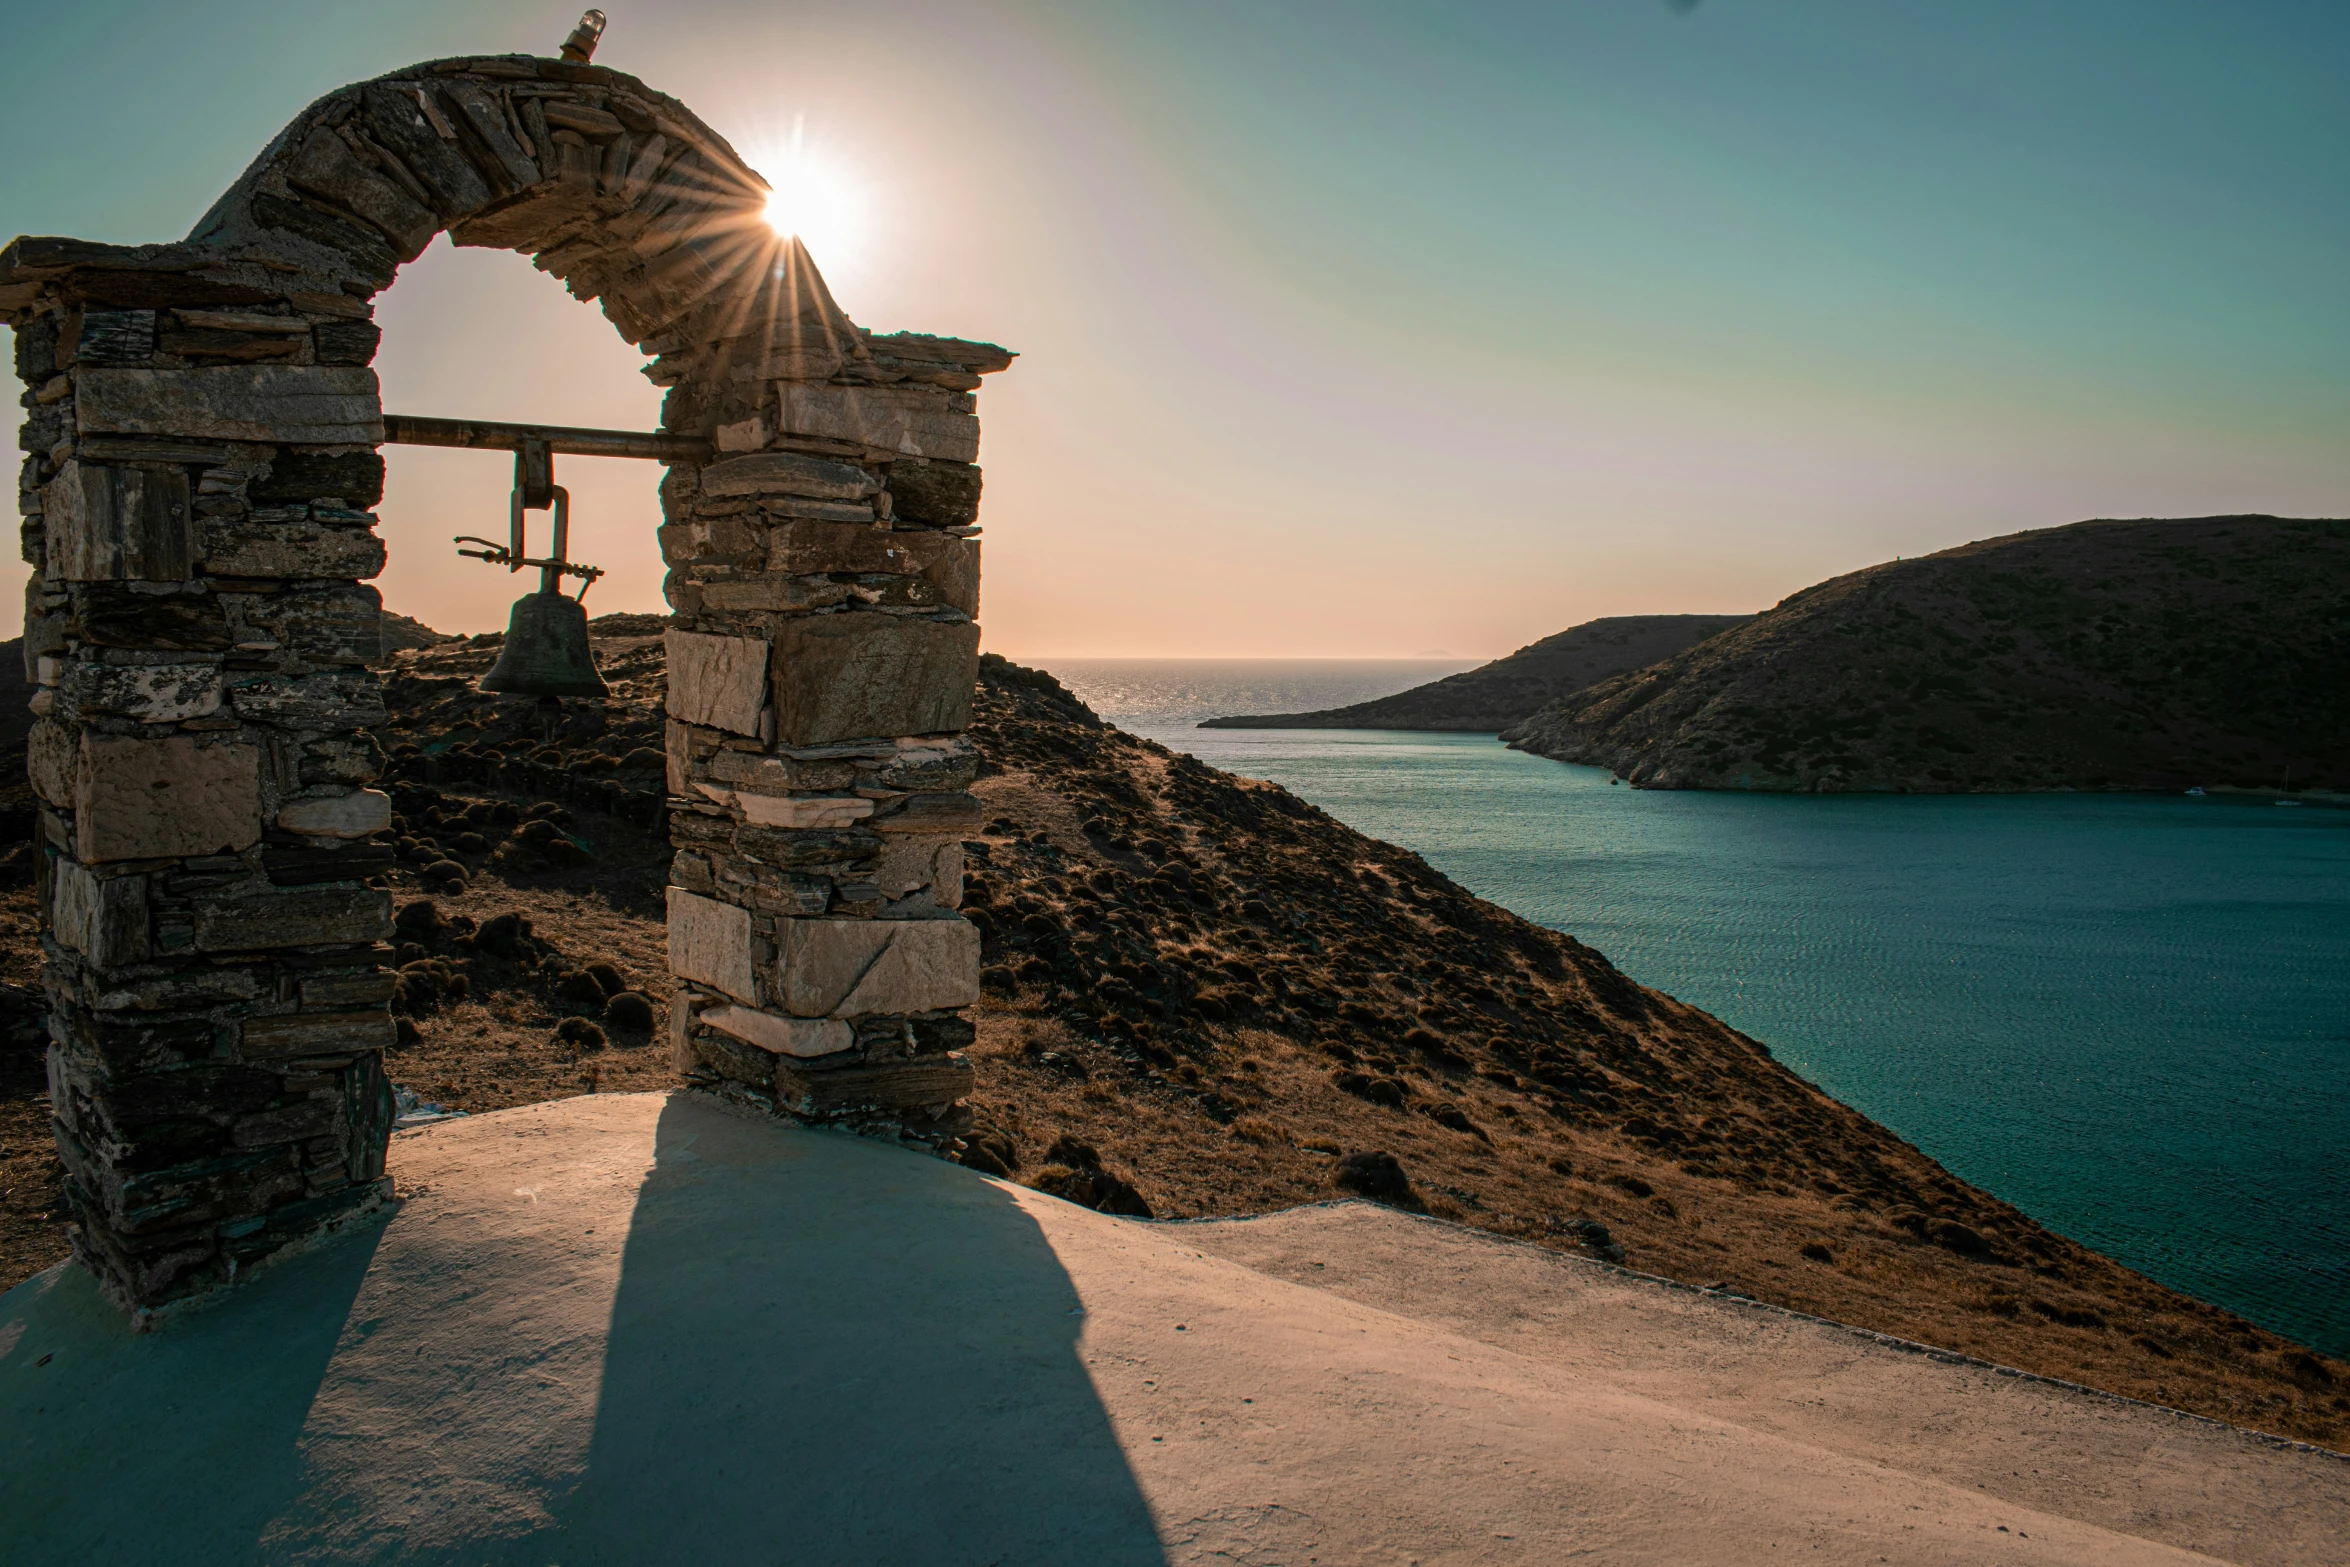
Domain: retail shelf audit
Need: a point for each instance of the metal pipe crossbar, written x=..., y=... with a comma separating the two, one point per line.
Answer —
x=489, y=435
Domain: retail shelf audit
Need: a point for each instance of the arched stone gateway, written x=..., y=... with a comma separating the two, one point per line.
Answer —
x=202, y=462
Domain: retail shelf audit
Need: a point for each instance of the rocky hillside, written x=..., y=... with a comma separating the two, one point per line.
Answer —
x=1204, y=996
x=2106, y=655
x=1507, y=691
x=1203, y=990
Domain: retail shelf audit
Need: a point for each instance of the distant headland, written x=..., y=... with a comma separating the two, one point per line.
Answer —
x=2154, y=654
x=1509, y=690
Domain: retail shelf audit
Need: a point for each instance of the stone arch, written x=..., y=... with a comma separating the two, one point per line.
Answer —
x=202, y=463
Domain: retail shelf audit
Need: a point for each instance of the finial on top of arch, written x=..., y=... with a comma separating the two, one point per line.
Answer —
x=580, y=47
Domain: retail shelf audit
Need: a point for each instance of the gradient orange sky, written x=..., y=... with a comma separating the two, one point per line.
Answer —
x=1384, y=329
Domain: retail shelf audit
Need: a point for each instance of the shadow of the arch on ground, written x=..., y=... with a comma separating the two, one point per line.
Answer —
x=825, y=1350
x=177, y=1445
x=624, y=1329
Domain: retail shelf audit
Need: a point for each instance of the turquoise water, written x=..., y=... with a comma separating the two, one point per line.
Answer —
x=2127, y=1015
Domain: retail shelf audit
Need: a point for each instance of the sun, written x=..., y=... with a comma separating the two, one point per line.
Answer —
x=813, y=198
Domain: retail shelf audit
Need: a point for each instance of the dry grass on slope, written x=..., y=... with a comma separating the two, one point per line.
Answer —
x=1222, y=989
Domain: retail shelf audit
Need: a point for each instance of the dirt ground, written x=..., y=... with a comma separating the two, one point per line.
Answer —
x=1217, y=994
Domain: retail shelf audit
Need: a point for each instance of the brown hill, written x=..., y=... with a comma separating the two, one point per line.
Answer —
x=1204, y=996
x=2106, y=655
x=1494, y=696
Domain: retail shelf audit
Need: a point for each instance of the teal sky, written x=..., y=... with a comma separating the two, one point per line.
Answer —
x=1384, y=329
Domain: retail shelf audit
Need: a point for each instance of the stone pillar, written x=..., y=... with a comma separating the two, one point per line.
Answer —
x=196, y=497
x=826, y=583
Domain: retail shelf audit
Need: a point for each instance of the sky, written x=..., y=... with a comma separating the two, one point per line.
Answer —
x=1384, y=329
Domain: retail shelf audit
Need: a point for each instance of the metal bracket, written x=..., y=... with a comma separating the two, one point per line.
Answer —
x=535, y=489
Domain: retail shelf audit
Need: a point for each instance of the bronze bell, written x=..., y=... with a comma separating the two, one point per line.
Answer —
x=546, y=653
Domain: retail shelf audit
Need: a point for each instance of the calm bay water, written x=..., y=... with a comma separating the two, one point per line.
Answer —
x=2127, y=1015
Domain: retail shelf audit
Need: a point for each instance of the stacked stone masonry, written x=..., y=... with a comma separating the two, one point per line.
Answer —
x=201, y=434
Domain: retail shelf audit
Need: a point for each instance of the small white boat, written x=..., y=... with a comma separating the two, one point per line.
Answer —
x=2195, y=793
x=2288, y=802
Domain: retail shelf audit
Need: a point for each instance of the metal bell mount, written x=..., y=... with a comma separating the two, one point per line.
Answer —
x=546, y=653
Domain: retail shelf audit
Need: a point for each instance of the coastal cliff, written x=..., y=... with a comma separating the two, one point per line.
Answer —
x=2156, y=654
x=1494, y=696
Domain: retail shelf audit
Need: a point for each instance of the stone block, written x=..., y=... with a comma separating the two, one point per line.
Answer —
x=898, y=421
x=713, y=541
x=327, y=859
x=933, y=813
x=354, y=478
x=927, y=1082
x=730, y=1058
x=202, y=986
x=316, y=1034
x=102, y=918
x=851, y=968
x=314, y=702
x=744, y=435
x=325, y=165
x=710, y=944
x=910, y=865
x=801, y=1037
x=325, y=623
x=238, y=548
x=133, y=615
x=345, y=759
x=150, y=693
x=50, y=752
x=930, y=765
x=46, y=626
x=371, y=989
x=294, y=917
x=149, y=799
x=776, y=774
x=865, y=675
x=769, y=810
x=764, y=889
x=297, y=1122
x=115, y=337
x=934, y=494
x=785, y=508
x=788, y=473
x=355, y=813
x=347, y=342
x=773, y=595
x=810, y=848
x=115, y=523
x=718, y=682
x=949, y=564
x=681, y=1030
x=289, y=404
x=485, y=116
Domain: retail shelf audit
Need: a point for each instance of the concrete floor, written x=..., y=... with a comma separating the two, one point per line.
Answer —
x=646, y=1329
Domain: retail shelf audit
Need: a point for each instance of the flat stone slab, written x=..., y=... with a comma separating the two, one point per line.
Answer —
x=860, y=676
x=146, y=799
x=719, y=682
x=298, y=404
x=647, y=1329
